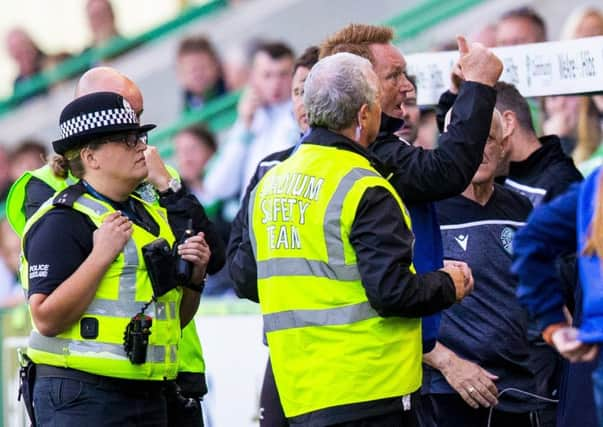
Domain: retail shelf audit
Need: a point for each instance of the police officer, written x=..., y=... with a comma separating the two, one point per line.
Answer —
x=333, y=244
x=34, y=187
x=88, y=285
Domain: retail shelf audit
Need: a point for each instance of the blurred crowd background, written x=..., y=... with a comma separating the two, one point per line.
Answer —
x=213, y=73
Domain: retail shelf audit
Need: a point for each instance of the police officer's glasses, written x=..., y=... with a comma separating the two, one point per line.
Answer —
x=130, y=139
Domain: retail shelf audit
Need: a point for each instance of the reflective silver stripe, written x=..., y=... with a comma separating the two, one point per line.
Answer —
x=113, y=308
x=332, y=316
x=173, y=353
x=304, y=267
x=62, y=346
x=173, y=313
x=332, y=225
x=253, y=241
x=97, y=207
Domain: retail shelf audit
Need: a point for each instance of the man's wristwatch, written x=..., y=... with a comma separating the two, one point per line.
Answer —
x=174, y=185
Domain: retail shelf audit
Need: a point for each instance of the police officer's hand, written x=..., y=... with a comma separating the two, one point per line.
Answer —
x=462, y=277
x=111, y=237
x=158, y=175
x=196, y=250
x=474, y=384
x=478, y=63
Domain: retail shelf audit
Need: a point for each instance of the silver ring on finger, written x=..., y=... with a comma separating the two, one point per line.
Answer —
x=471, y=390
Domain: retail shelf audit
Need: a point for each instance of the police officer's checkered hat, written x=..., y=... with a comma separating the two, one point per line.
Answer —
x=95, y=115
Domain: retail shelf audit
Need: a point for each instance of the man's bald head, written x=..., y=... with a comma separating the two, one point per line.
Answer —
x=101, y=79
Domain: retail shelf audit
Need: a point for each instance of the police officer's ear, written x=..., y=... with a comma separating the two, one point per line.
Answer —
x=89, y=158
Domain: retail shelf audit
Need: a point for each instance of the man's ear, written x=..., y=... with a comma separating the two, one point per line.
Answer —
x=363, y=116
x=509, y=123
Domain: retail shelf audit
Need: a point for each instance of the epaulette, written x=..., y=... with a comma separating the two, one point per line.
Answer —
x=68, y=196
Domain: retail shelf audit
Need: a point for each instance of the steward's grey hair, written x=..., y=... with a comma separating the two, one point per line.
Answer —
x=336, y=88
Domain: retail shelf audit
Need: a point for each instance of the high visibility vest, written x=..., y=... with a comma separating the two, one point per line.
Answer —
x=122, y=292
x=191, y=359
x=15, y=202
x=328, y=346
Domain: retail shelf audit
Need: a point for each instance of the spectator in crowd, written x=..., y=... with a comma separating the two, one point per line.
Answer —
x=520, y=26
x=585, y=122
x=584, y=21
x=412, y=115
x=264, y=124
x=194, y=147
x=5, y=179
x=486, y=35
x=483, y=348
x=570, y=223
x=101, y=20
x=427, y=135
x=561, y=118
x=538, y=167
x=241, y=264
x=370, y=361
x=27, y=55
x=27, y=156
x=236, y=61
x=199, y=72
x=11, y=293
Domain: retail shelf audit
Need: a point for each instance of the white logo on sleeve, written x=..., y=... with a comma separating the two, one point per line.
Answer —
x=39, y=270
x=462, y=241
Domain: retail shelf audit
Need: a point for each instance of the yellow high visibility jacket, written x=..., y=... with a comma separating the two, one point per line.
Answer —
x=328, y=346
x=122, y=292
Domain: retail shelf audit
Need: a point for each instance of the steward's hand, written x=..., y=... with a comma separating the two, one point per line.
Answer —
x=158, y=175
x=111, y=237
x=478, y=63
x=461, y=276
x=474, y=384
x=196, y=250
x=566, y=342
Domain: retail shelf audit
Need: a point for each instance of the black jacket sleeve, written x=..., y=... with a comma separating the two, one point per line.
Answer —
x=384, y=252
x=182, y=206
x=36, y=193
x=241, y=262
x=429, y=175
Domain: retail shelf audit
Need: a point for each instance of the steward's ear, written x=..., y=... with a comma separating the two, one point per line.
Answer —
x=363, y=116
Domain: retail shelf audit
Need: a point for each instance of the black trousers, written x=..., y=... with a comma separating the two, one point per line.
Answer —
x=394, y=419
x=271, y=410
x=450, y=410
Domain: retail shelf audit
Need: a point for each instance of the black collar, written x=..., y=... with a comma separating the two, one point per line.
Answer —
x=327, y=138
x=389, y=125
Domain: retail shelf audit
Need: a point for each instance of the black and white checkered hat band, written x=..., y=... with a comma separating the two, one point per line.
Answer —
x=97, y=119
